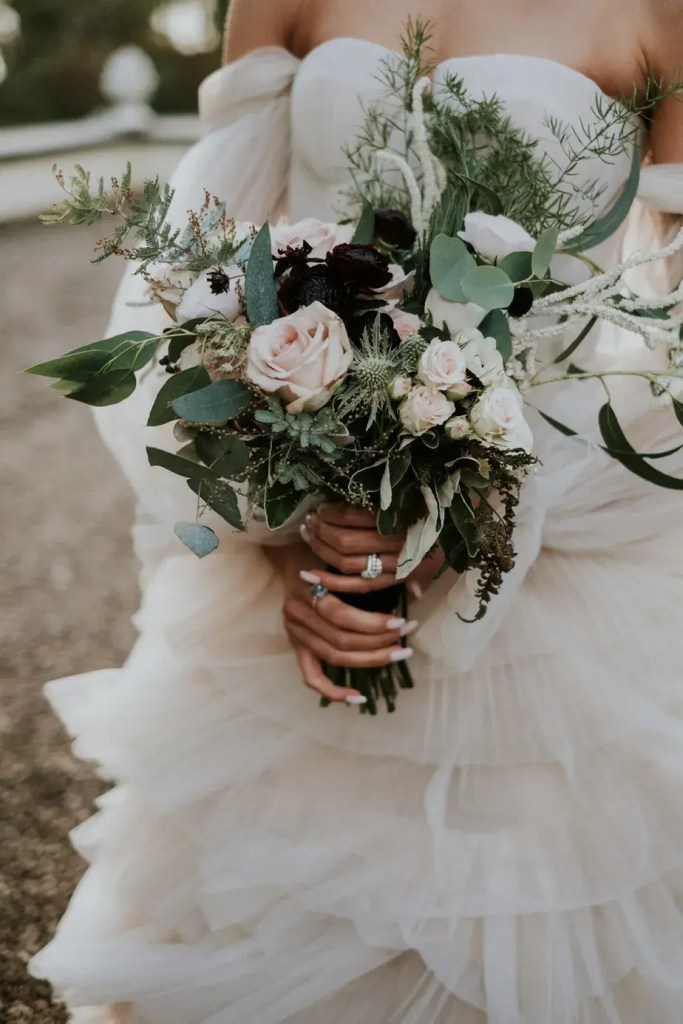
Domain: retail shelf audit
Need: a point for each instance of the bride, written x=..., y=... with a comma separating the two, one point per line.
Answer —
x=508, y=847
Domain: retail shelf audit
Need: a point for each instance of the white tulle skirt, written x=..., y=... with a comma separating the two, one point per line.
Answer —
x=505, y=849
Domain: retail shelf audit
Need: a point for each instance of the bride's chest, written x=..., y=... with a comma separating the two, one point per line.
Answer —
x=339, y=81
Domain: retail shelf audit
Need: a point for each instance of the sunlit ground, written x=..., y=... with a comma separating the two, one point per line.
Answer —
x=68, y=587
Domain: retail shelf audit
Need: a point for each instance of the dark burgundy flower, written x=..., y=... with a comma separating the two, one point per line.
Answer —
x=360, y=265
x=358, y=325
x=314, y=284
x=292, y=259
x=393, y=228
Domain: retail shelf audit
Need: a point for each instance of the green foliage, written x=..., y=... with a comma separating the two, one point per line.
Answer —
x=260, y=287
x=218, y=402
x=201, y=540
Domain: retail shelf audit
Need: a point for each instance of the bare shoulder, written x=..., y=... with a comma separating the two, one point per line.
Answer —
x=665, y=50
x=255, y=23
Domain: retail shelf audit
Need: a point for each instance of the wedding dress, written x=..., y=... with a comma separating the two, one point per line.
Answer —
x=507, y=848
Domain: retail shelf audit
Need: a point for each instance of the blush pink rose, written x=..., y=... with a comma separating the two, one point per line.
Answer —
x=301, y=358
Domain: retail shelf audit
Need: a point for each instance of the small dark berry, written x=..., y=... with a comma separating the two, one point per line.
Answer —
x=522, y=302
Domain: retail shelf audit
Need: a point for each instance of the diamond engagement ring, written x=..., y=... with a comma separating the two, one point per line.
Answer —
x=318, y=591
x=373, y=569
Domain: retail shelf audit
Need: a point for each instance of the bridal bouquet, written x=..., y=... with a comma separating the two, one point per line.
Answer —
x=384, y=361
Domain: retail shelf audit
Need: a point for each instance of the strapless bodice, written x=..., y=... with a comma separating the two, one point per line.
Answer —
x=337, y=79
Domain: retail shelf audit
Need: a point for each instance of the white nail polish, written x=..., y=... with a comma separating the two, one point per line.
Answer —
x=309, y=577
x=309, y=519
x=396, y=623
x=356, y=699
x=415, y=589
x=403, y=654
x=304, y=531
x=409, y=628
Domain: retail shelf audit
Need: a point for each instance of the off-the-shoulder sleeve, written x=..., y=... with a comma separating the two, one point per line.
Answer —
x=243, y=159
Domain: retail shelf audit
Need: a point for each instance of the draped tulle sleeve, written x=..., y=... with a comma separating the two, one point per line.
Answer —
x=244, y=160
x=580, y=501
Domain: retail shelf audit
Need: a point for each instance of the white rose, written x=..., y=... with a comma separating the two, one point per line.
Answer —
x=200, y=301
x=498, y=418
x=423, y=409
x=397, y=287
x=482, y=357
x=442, y=365
x=497, y=237
x=400, y=387
x=457, y=316
x=406, y=324
x=301, y=357
x=320, y=236
x=457, y=428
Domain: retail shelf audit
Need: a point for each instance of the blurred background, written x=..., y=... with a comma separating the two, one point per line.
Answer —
x=96, y=82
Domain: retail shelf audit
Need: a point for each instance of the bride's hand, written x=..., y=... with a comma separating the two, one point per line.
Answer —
x=332, y=631
x=343, y=536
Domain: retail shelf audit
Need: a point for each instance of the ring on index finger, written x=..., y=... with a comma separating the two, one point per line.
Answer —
x=317, y=592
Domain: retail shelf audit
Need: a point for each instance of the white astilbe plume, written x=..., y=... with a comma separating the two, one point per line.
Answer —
x=603, y=297
x=425, y=199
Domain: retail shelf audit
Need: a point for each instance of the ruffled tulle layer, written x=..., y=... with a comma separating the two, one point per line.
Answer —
x=506, y=849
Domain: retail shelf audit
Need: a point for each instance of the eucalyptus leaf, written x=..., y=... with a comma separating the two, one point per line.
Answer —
x=106, y=388
x=215, y=404
x=385, y=489
x=517, y=265
x=623, y=451
x=463, y=519
x=178, y=344
x=578, y=340
x=221, y=498
x=177, y=384
x=228, y=455
x=82, y=361
x=543, y=253
x=497, y=326
x=365, y=229
x=281, y=503
x=449, y=262
x=605, y=226
x=176, y=464
x=488, y=287
x=495, y=204
x=420, y=537
x=199, y=539
x=134, y=355
x=260, y=288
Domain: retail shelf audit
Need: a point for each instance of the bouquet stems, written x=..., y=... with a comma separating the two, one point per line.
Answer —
x=375, y=684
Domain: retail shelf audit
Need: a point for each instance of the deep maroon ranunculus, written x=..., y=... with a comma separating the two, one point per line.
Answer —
x=360, y=265
x=394, y=228
x=314, y=284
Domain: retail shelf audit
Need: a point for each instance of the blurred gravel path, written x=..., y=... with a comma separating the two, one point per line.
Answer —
x=67, y=581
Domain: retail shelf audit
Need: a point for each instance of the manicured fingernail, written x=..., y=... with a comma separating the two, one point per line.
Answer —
x=309, y=519
x=305, y=532
x=310, y=577
x=356, y=699
x=403, y=654
x=409, y=628
x=395, y=623
x=415, y=589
